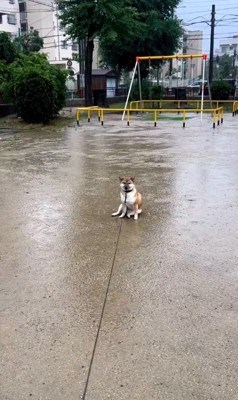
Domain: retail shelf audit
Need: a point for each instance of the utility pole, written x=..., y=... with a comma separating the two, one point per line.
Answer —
x=234, y=64
x=212, y=45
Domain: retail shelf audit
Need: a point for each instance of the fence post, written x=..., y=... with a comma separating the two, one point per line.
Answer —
x=184, y=118
x=128, y=117
x=214, y=119
x=77, y=116
x=155, y=120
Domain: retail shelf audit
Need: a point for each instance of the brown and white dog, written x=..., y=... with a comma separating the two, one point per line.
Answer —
x=131, y=200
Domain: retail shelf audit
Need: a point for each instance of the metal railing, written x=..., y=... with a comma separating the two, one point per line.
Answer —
x=140, y=104
x=235, y=108
x=217, y=113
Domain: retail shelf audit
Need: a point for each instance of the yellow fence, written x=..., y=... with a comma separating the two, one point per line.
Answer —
x=218, y=113
x=180, y=104
x=235, y=108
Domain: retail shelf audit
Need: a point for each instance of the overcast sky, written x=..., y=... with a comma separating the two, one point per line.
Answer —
x=193, y=12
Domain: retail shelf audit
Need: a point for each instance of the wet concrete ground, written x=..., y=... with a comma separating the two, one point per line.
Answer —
x=168, y=326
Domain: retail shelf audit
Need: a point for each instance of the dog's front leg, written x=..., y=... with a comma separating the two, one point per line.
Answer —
x=135, y=211
x=129, y=213
x=124, y=209
x=118, y=211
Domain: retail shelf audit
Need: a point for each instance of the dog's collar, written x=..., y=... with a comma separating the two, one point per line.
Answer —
x=127, y=191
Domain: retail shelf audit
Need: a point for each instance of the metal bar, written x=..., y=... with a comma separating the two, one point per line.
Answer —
x=140, y=90
x=129, y=92
x=203, y=79
x=177, y=56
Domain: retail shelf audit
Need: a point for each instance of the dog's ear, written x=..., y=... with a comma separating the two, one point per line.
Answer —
x=132, y=178
x=121, y=179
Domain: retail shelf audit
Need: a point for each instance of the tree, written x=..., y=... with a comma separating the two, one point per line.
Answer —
x=86, y=20
x=160, y=35
x=224, y=67
x=8, y=50
x=30, y=42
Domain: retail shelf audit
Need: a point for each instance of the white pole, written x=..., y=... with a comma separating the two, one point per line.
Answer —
x=203, y=81
x=129, y=92
x=140, y=90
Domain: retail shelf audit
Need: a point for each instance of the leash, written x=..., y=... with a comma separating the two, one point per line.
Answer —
x=101, y=317
x=126, y=191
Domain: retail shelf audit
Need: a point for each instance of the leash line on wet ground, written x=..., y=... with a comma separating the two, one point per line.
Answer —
x=83, y=397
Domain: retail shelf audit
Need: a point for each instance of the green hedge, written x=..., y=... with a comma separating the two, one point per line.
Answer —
x=149, y=91
x=37, y=88
x=220, y=90
x=35, y=97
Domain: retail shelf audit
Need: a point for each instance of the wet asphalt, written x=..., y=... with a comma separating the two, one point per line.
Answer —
x=97, y=308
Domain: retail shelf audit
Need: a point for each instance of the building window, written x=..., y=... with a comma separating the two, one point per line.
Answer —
x=64, y=44
x=75, y=46
x=22, y=7
x=23, y=16
x=11, y=19
x=24, y=27
x=0, y=18
x=11, y=1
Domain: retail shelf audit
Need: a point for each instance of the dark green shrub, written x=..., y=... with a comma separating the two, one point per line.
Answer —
x=58, y=78
x=149, y=91
x=34, y=96
x=36, y=88
x=145, y=88
x=157, y=92
x=220, y=90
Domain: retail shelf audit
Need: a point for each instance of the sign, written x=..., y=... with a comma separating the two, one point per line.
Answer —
x=69, y=63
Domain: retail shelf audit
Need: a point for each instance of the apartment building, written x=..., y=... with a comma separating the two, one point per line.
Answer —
x=192, y=44
x=42, y=15
x=9, y=17
x=229, y=46
x=186, y=70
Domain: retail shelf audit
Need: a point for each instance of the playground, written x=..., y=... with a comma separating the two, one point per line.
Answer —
x=156, y=107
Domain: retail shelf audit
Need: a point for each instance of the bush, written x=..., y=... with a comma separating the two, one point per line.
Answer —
x=149, y=91
x=145, y=88
x=37, y=88
x=58, y=78
x=220, y=90
x=157, y=92
x=34, y=96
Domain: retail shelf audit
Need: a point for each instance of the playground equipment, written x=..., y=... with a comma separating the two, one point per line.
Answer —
x=163, y=58
x=191, y=103
x=218, y=113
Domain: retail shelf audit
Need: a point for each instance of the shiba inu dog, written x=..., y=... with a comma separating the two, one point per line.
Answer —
x=131, y=200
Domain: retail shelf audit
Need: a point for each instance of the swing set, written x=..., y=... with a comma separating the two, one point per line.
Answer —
x=163, y=58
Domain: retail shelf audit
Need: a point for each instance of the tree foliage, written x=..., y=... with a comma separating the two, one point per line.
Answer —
x=30, y=42
x=220, y=90
x=8, y=50
x=34, y=93
x=86, y=20
x=125, y=29
x=36, y=88
x=160, y=34
x=223, y=68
